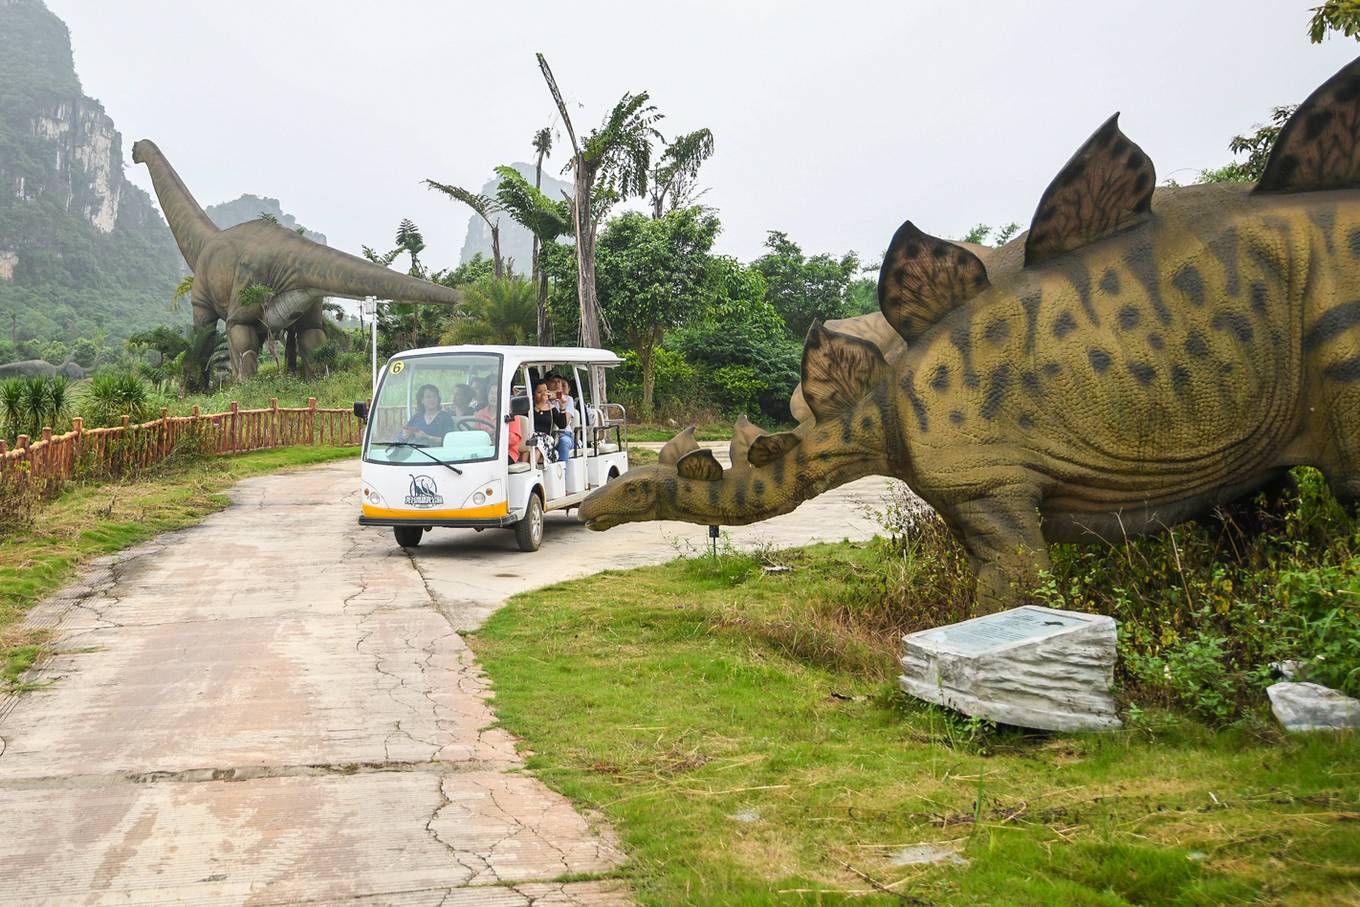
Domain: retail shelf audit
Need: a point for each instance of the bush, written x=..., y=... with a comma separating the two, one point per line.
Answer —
x=112, y=395
x=1203, y=609
x=674, y=395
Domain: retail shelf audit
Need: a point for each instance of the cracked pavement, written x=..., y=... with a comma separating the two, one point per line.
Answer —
x=276, y=706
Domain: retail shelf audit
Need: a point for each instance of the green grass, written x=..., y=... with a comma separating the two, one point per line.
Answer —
x=749, y=750
x=90, y=519
x=339, y=390
x=714, y=431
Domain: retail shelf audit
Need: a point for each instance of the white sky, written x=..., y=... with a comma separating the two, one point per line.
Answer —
x=834, y=121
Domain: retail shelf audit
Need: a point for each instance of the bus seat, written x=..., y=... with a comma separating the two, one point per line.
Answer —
x=608, y=447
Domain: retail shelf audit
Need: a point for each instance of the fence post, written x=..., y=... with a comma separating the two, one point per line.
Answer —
x=77, y=444
x=235, y=419
x=311, y=420
x=273, y=421
x=165, y=433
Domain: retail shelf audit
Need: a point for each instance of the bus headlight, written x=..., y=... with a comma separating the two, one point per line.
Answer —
x=479, y=498
x=371, y=496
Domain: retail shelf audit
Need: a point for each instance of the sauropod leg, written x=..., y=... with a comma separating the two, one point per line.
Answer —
x=244, y=343
x=1005, y=544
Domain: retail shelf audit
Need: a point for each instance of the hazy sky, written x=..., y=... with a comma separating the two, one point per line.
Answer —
x=834, y=121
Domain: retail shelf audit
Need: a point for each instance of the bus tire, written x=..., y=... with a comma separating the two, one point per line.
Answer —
x=408, y=536
x=529, y=530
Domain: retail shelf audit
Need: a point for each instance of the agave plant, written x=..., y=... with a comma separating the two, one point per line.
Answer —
x=12, y=406
x=35, y=404
x=58, y=403
x=133, y=396
x=111, y=396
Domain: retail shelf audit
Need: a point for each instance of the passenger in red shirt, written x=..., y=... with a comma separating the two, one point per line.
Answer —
x=491, y=415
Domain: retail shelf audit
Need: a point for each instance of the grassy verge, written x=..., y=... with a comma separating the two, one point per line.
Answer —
x=89, y=520
x=739, y=729
x=709, y=431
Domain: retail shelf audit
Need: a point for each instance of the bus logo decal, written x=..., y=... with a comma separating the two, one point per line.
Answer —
x=423, y=492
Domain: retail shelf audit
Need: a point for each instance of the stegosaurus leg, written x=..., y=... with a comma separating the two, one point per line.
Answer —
x=1001, y=531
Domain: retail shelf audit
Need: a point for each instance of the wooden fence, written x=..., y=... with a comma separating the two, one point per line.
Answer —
x=124, y=449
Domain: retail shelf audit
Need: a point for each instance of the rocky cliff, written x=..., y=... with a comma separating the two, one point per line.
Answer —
x=81, y=249
x=250, y=207
x=516, y=242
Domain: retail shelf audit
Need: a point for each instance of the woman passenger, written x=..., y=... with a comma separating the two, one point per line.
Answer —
x=430, y=423
x=547, y=418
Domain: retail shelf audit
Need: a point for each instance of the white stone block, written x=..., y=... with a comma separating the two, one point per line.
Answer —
x=1029, y=666
x=1313, y=707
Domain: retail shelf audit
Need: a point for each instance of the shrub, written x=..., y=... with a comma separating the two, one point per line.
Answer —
x=1203, y=608
x=112, y=395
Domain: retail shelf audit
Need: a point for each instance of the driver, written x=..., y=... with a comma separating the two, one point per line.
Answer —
x=430, y=423
x=490, y=414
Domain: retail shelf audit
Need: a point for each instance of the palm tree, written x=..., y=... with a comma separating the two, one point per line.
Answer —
x=619, y=155
x=485, y=208
x=543, y=142
x=410, y=241
x=12, y=406
x=673, y=180
x=500, y=310
x=182, y=289
x=545, y=219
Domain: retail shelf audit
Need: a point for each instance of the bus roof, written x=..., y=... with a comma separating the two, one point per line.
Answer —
x=518, y=355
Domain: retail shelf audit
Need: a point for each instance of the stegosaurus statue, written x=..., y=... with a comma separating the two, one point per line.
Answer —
x=1136, y=358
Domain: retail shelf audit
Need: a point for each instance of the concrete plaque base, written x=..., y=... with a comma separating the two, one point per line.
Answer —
x=1029, y=666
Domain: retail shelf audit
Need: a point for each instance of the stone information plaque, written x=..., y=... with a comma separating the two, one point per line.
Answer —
x=1029, y=666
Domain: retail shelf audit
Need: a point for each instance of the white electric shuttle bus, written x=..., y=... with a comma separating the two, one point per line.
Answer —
x=446, y=458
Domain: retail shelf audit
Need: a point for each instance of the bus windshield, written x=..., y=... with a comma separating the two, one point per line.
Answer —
x=446, y=404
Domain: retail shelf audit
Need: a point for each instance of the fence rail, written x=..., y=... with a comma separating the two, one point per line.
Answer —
x=122, y=449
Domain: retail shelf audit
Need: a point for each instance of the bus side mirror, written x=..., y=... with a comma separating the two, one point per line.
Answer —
x=519, y=406
x=361, y=411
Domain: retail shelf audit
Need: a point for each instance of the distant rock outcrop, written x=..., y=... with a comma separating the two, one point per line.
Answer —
x=516, y=242
x=250, y=207
x=81, y=248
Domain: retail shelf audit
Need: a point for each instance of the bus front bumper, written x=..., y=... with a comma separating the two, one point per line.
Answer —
x=464, y=523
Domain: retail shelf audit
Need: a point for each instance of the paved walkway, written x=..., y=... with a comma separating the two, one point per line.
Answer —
x=276, y=707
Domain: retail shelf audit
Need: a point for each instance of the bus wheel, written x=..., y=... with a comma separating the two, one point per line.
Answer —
x=408, y=536
x=529, y=530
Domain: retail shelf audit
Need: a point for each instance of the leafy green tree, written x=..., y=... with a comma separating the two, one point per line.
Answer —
x=404, y=326
x=85, y=352
x=861, y=296
x=498, y=310
x=485, y=208
x=183, y=289
x=165, y=342
x=56, y=352
x=470, y=271
x=673, y=184
x=1256, y=147
x=801, y=289
x=1334, y=15
x=741, y=355
x=653, y=277
x=543, y=217
x=979, y=234
x=618, y=154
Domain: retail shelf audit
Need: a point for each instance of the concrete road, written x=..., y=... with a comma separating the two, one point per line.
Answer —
x=276, y=707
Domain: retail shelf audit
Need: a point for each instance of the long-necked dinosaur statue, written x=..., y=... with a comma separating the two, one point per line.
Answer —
x=300, y=272
x=1133, y=360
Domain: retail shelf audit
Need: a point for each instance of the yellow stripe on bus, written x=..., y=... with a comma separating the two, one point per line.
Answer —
x=485, y=512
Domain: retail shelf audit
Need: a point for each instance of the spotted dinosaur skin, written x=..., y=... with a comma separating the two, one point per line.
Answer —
x=1131, y=361
x=300, y=272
